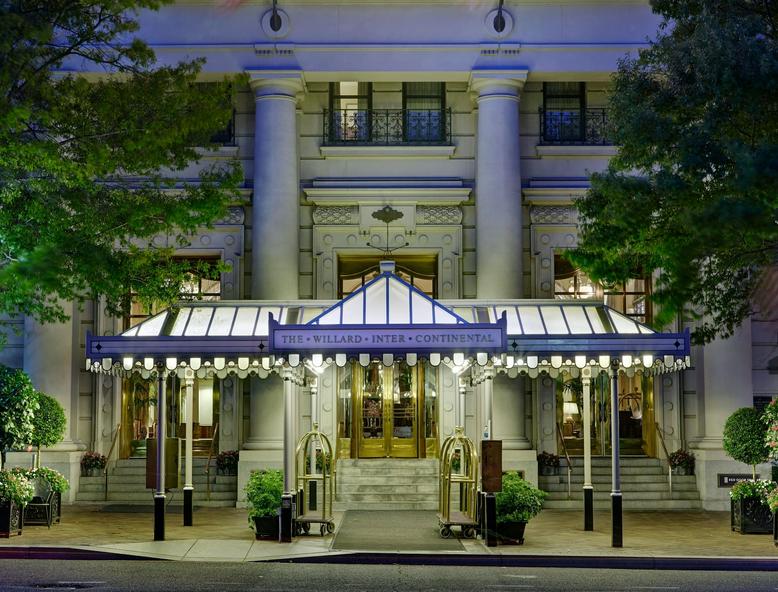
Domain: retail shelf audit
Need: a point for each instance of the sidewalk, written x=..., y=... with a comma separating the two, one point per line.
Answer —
x=702, y=540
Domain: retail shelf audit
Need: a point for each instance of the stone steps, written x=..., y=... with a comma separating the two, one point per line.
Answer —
x=627, y=504
x=148, y=495
x=387, y=484
x=655, y=486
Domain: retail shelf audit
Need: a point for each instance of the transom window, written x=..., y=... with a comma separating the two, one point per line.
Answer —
x=420, y=272
x=630, y=298
x=199, y=286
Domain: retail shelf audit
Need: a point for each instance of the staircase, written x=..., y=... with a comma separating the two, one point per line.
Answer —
x=387, y=484
x=643, y=485
x=127, y=486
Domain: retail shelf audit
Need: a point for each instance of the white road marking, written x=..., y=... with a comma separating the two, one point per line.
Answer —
x=518, y=576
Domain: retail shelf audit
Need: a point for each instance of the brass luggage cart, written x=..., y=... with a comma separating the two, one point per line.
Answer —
x=314, y=478
x=458, y=484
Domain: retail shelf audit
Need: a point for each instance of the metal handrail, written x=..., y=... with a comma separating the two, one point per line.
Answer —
x=567, y=459
x=108, y=459
x=208, y=463
x=667, y=456
x=576, y=127
x=386, y=127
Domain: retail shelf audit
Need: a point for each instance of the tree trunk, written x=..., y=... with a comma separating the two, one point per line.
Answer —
x=38, y=458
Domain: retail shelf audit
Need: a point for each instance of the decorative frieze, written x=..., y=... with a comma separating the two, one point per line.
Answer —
x=235, y=215
x=336, y=215
x=438, y=215
x=553, y=215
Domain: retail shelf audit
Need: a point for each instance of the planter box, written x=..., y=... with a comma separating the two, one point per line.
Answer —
x=11, y=519
x=266, y=528
x=682, y=471
x=548, y=470
x=751, y=516
x=511, y=533
x=56, y=507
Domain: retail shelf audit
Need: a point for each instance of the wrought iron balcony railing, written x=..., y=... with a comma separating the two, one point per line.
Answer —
x=588, y=127
x=386, y=126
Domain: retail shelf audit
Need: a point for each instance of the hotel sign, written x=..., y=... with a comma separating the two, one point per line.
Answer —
x=420, y=339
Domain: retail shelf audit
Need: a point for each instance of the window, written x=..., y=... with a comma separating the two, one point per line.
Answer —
x=630, y=298
x=564, y=108
x=350, y=104
x=421, y=272
x=424, y=104
x=202, y=286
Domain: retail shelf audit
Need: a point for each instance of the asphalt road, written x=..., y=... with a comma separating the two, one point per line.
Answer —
x=35, y=575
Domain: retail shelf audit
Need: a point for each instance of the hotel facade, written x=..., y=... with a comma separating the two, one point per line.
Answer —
x=453, y=144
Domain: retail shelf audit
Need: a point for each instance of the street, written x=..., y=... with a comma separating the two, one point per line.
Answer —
x=29, y=575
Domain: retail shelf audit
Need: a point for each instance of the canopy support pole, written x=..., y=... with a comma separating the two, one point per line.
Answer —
x=588, y=488
x=159, y=494
x=188, y=485
x=616, y=498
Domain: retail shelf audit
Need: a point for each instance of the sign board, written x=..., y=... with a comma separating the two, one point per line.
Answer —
x=419, y=339
x=729, y=479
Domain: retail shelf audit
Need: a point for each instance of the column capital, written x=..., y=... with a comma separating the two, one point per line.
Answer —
x=485, y=82
x=276, y=82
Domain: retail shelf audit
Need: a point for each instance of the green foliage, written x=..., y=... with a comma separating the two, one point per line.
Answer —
x=58, y=482
x=49, y=421
x=751, y=489
x=87, y=167
x=772, y=499
x=693, y=191
x=15, y=488
x=18, y=404
x=263, y=492
x=744, y=437
x=519, y=500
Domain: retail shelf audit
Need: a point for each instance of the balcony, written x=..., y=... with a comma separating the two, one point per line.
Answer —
x=386, y=127
x=587, y=127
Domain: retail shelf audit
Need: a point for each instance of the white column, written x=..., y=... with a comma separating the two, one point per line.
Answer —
x=275, y=207
x=499, y=245
x=189, y=385
x=488, y=385
x=289, y=420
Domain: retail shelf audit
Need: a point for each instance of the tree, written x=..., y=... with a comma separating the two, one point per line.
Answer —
x=48, y=424
x=18, y=405
x=744, y=438
x=87, y=166
x=693, y=190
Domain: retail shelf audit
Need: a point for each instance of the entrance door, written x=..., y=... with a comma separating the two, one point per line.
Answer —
x=387, y=404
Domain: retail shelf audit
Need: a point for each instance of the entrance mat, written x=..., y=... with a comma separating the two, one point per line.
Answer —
x=142, y=509
x=392, y=530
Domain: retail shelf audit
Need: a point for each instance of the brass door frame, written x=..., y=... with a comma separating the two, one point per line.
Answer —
x=389, y=446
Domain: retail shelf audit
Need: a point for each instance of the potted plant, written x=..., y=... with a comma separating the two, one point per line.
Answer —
x=751, y=512
x=772, y=502
x=770, y=418
x=48, y=424
x=263, y=494
x=548, y=463
x=59, y=485
x=744, y=441
x=516, y=504
x=92, y=464
x=682, y=462
x=16, y=491
x=227, y=462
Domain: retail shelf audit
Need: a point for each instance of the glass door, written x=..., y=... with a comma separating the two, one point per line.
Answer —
x=388, y=408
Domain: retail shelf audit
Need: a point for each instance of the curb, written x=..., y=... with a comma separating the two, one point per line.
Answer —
x=577, y=561
x=67, y=553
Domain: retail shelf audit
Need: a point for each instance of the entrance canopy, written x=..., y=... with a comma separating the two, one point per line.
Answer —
x=388, y=318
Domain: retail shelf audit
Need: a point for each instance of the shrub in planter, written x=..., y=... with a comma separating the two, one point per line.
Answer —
x=548, y=463
x=770, y=417
x=751, y=513
x=48, y=424
x=682, y=461
x=92, y=463
x=744, y=438
x=227, y=462
x=18, y=404
x=516, y=504
x=263, y=494
x=16, y=491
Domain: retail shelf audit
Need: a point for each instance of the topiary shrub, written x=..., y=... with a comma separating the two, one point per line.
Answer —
x=519, y=500
x=744, y=438
x=18, y=405
x=48, y=424
x=263, y=493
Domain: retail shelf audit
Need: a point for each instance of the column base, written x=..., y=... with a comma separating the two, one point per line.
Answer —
x=616, y=536
x=159, y=517
x=588, y=508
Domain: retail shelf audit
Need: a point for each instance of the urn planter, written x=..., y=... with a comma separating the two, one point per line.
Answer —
x=511, y=533
x=266, y=528
x=11, y=519
x=751, y=515
x=548, y=470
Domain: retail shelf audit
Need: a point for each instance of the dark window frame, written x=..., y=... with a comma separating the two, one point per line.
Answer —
x=580, y=95
x=440, y=97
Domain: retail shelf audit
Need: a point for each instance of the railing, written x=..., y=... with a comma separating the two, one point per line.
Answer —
x=567, y=459
x=667, y=456
x=208, y=463
x=386, y=127
x=587, y=127
x=108, y=459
